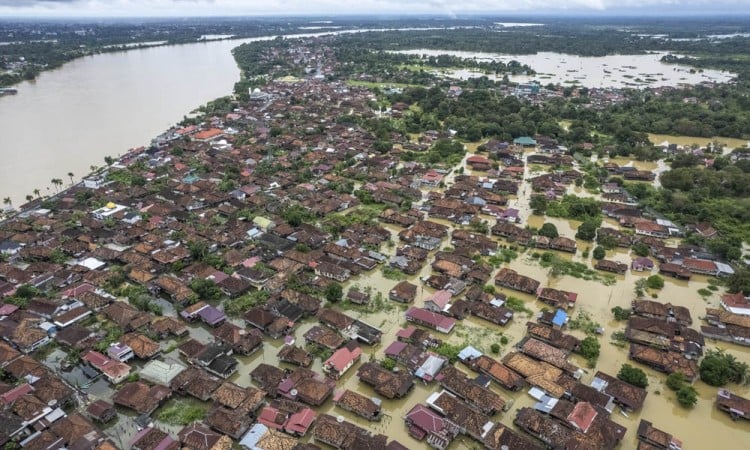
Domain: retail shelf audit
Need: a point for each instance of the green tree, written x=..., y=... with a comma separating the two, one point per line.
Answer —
x=548, y=230
x=641, y=249
x=687, y=396
x=620, y=313
x=676, y=380
x=334, y=292
x=655, y=282
x=538, y=204
x=587, y=230
x=633, y=375
x=599, y=252
x=495, y=348
x=590, y=348
x=719, y=368
x=206, y=289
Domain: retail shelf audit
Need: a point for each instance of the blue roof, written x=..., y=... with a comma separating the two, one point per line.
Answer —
x=251, y=438
x=560, y=318
x=469, y=352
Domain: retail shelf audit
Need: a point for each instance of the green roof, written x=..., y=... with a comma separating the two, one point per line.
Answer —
x=524, y=140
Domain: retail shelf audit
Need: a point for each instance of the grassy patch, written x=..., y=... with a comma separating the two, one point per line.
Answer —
x=180, y=413
x=517, y=305
x=558, y=266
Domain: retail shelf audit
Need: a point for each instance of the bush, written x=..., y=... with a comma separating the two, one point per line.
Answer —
x=687, y=396
x=504, y=340
x=599, y=252
x=181, y=414
x=633, y=375
x=587, y=230
x=719, y=368
x=655, y=282
x=388, y=363
x=590, y=348
x=641, y=249
x=495, y=348
x=334, y=292
x=620, y=313
x=676, y=381
x=548, y=230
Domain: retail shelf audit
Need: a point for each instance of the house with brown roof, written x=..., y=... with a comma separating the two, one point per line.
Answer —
x=553, y=336
x=493, y=311
x=196, y=382
x=511, y=279
x=343, y=435
x=242, y=341
x=143, y=347
x=197, y=436
x=664, y=361
x=607, y=265
x=244, y=400
x=367, y=408
x=737, y=303
x=700, y=266
x=324, y=337
x=228, y=421
x=626, y=395
x=499, y=372
x=268, y=378
x=663, y=311
x=675, y=271
x=736, y=406
x=557, y=298
x=385, y=382
x=656, y=438
x=540, y=374
x=563, y=244
x=469, y=421
x=151, y=438
x=477, y=396
x=548, y=353
x=430, y=319
x=113, y=370
x=141, y=397
x=101, y=411
x=292, y=354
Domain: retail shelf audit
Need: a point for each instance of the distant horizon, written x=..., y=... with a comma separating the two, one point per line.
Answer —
x=630, y=14
x=135, y=9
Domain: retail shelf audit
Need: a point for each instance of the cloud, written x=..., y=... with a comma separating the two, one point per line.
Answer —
x=297, y=7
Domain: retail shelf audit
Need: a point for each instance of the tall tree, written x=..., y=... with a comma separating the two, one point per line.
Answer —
x=70, y=175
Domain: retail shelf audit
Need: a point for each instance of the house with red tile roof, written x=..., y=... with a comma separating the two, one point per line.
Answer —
x=342, y=360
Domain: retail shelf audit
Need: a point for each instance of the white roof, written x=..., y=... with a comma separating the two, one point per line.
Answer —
x=92, y=263
x=161, y=372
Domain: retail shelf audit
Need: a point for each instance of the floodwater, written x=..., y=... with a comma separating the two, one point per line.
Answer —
x=729, y=143
x=611, y=71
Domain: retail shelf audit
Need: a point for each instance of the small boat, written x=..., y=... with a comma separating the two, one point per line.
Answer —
x=8, y=91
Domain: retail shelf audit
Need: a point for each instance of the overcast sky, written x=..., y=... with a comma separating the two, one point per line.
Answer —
x=311, y=7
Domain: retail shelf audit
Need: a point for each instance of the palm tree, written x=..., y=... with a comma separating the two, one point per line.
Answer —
x=93, y=168
x=8, y=201
x=31, y=197
x=57, y=182
x=70, y=174
x=38, y=193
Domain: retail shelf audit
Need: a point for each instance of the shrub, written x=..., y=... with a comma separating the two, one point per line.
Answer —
x=599, y=252
x=633, y=375
x=718, y=368
x=620, y=313
x=504, y=340
x=590, y=348
x=388, y=363
x=655, y=282
x=687, y=396
x=676, y=381
x=495, y=348
x=548, y=230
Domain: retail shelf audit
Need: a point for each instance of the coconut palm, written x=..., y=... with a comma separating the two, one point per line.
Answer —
x=38, y=193
x=31, y=197
x=70, y=175
x=8, y=201
x=57, y=182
